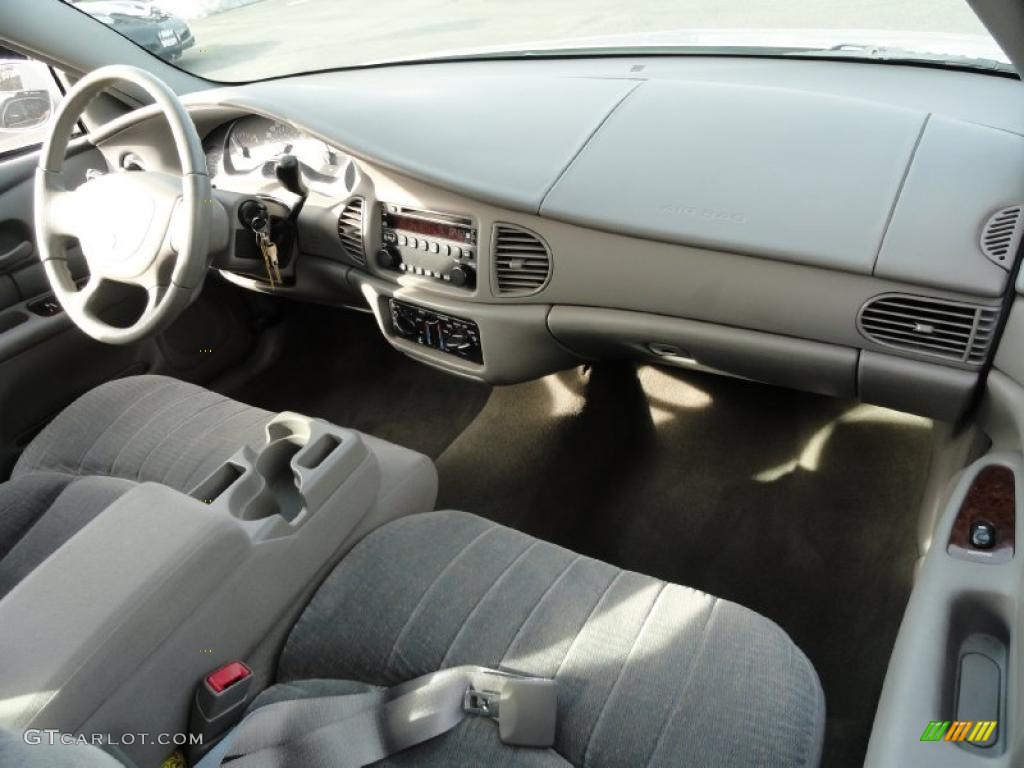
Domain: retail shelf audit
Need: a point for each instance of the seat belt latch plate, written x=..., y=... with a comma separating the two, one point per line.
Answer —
x=481, y=703
x=526, y=710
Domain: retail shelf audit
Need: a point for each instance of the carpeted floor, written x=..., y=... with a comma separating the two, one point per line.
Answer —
x=338, y=367
x=800, y=507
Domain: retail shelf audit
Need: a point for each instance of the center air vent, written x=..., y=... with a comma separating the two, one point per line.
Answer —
x=952, y=330
x=350, y=230
x=522, y=261
x=1000, y=237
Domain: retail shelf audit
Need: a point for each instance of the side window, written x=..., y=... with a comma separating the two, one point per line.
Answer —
x=28, y=99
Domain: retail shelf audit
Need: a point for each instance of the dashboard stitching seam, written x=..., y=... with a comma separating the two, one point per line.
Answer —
x=586, y=143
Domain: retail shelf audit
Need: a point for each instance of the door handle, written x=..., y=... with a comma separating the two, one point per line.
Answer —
x=12, y=259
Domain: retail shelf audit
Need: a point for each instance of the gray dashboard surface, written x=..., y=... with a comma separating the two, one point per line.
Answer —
x=840, y=165
x=766, y=171
x=962, y=172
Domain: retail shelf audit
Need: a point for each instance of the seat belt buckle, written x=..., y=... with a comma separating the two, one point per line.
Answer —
x=526, y=709
x=219, y=703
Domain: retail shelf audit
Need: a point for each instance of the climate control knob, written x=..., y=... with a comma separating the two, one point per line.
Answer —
x=404, y=324
x=389, y=258
x=461, y=275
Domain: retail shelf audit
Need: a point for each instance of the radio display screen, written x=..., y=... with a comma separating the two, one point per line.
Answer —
x=425, y=227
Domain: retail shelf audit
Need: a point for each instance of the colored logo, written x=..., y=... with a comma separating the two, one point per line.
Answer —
x=959, y=730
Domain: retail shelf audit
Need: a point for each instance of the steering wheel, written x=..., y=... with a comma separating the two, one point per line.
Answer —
x=140, y=228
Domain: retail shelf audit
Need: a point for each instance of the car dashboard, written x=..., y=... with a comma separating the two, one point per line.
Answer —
x=842, y=228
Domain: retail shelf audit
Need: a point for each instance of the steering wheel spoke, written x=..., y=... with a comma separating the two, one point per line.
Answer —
x=65, y=213
x=155, y=295
x=85, y=294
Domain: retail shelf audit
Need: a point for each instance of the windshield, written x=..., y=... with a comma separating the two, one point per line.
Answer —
x=242, y=40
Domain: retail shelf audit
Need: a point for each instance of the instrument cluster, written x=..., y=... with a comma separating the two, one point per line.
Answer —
x=246, y=151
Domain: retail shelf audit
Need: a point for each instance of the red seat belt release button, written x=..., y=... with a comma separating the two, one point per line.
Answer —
x=223, y=678
x=219, y=703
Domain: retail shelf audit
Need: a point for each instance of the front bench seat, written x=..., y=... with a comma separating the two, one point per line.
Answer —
x=150, y=428
x=648, y=673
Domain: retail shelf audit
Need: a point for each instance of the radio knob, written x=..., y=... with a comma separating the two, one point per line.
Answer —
x=389, y=258
x=461, y=275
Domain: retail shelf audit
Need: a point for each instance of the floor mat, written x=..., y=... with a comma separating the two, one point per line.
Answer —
x=800, y=507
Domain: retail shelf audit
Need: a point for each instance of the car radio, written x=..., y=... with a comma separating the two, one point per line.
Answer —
x=439, y=246
x=444, y=333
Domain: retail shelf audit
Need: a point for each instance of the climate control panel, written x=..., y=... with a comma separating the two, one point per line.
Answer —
x=452, y=335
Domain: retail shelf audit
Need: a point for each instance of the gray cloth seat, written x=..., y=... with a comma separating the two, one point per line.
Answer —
x=149, y=428
x=648, y=673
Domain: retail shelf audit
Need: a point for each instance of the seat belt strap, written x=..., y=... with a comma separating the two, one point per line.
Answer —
x=359, y=729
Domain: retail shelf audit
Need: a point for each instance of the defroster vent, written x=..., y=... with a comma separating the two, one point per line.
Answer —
x=350, y=230
x=952, y=330
x=522, y=261
x=1000, y=237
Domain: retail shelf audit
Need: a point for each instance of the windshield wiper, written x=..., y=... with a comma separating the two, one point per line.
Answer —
x=904, y=56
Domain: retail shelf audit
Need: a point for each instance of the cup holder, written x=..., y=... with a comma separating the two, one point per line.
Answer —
x=292, y=475
x=280, y=494
x=318, y=452
x=213, y=487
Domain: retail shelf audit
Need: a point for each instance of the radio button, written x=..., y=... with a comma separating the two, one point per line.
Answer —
x=413, y=242
x=455, y=252
x=402, y=240
x=435, y=248
x=424, y=245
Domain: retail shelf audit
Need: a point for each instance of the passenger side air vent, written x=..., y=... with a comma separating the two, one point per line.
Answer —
x=522, y=261
x=1000, y=237
x=951, y=330
x=350, y=230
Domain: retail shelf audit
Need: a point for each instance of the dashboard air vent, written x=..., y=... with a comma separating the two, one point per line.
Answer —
x=522, y=261
x=1001, y=234
x=350, y=230
x=951, y=330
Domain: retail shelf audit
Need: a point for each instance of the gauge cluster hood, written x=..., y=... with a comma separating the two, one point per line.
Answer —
x=504, y=140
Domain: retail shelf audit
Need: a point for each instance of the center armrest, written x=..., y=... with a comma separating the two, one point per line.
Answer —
x=90, y=614
x=112, y=632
